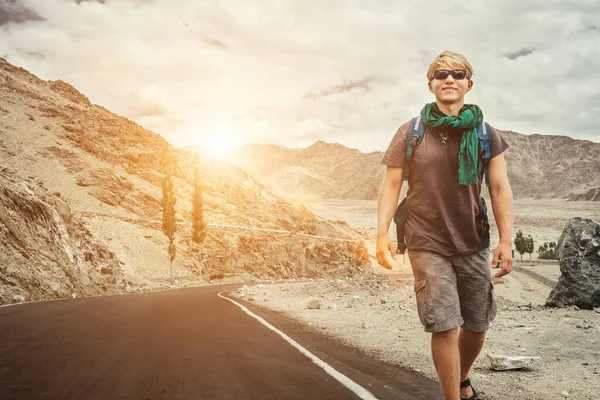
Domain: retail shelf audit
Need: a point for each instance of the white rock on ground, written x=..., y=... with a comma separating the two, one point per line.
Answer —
x=504, y=363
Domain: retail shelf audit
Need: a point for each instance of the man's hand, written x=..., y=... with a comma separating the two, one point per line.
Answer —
x=503, y=254
x=385, y=244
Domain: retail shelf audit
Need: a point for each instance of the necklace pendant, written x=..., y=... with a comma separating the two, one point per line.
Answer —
x=443, y=137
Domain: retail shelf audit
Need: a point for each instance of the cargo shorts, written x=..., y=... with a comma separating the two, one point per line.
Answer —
x=454, y=291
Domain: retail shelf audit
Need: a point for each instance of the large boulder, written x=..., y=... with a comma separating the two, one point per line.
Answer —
x=579, y=255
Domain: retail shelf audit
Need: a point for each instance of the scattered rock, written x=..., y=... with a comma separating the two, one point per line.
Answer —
x=342, y=284
x=18, y=298
x=313, y=304
x=526, y=305
x=244, y=291
x=106, y=271
x=504, y=363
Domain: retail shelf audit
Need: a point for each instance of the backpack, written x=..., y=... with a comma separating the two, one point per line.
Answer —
x=416, y=131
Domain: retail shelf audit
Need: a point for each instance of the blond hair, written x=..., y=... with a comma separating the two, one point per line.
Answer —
x=451, y=60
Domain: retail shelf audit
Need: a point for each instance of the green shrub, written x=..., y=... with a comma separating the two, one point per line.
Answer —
x=547, y=251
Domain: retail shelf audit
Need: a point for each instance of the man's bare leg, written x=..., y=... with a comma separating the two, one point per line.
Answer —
x=470, y=344
x=444, y=350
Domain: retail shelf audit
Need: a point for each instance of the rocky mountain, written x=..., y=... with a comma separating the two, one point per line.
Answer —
x=323, y=170
x=539, y=166
x=550, y=166
x=80, y=213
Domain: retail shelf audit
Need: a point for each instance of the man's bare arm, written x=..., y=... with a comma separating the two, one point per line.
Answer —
x=502, y=204
x=389, y=192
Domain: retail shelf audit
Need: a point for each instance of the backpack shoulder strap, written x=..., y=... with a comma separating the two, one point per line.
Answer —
x=484, y=134
x=415, y=135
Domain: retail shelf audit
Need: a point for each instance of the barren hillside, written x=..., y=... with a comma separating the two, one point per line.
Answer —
x=539, y=166
x=546, y=166
x=80, y=191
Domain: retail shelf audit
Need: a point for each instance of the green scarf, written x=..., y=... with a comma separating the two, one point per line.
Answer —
x=468, y=119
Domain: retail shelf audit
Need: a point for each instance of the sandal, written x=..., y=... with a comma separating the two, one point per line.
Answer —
x=467, y=383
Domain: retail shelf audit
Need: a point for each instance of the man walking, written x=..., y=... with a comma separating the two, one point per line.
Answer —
x=451, y=262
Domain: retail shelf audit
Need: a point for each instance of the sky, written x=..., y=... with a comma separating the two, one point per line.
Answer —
x=291, y=72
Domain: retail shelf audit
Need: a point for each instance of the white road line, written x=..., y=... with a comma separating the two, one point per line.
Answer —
x=26, y=302
x=343, y=379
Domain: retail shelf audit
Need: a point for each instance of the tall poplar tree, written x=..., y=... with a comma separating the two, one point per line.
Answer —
x=198, y=223
x=169, y=219
x=529, y=246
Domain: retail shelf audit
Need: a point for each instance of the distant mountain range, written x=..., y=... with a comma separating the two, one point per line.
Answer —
x=539, y=166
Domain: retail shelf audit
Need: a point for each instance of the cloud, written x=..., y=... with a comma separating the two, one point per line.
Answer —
x=214, y=42
x=345, y=87
x=312, y=129
x=519, y=53
x=99, y=1
x=13, y=11
x=149, y=102
x=259, y=70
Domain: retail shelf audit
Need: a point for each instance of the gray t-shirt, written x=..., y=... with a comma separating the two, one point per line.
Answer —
x=443, y=216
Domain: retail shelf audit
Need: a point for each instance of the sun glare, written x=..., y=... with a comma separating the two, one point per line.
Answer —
x=220, y=145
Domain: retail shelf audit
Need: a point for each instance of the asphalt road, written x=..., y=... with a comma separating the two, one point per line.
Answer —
x=180, y=344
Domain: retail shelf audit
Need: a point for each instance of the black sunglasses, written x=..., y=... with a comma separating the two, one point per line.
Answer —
x=457, y=74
